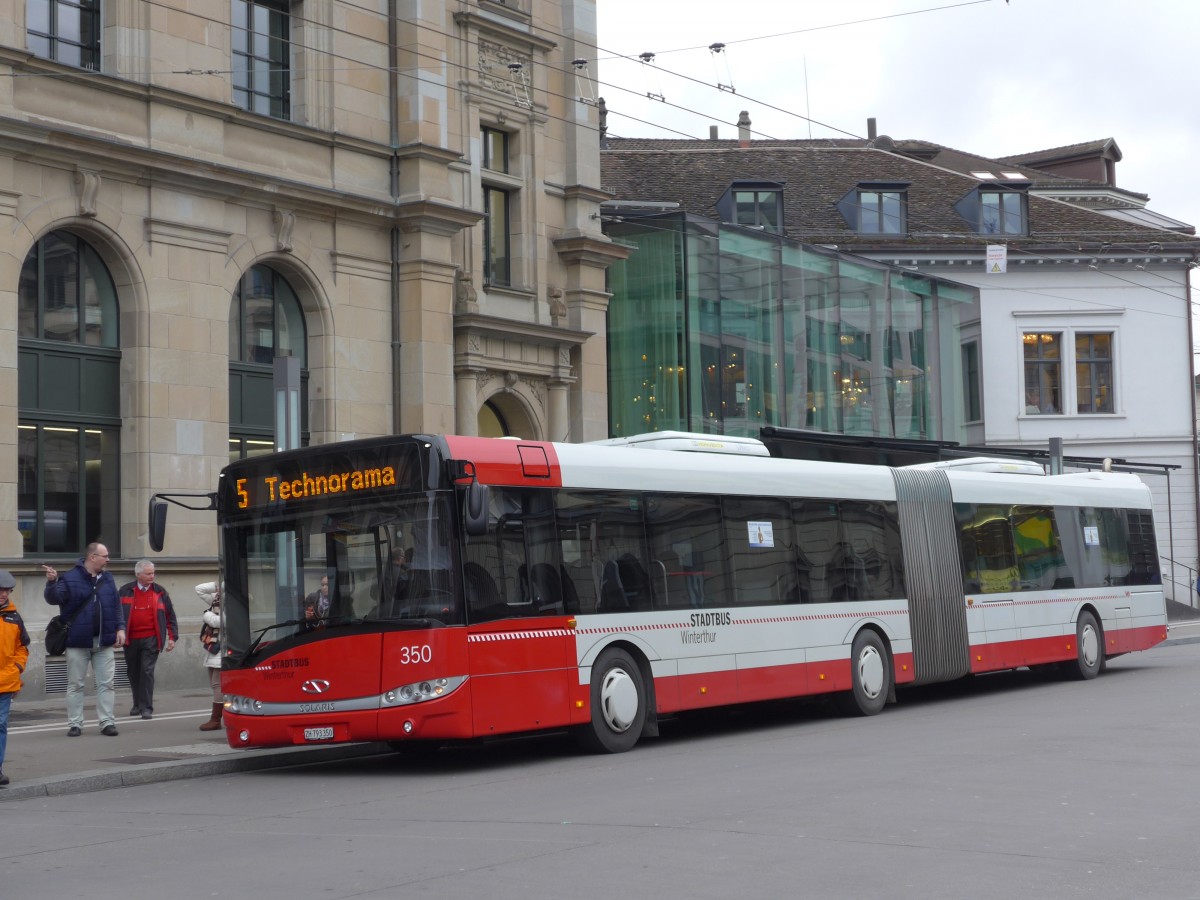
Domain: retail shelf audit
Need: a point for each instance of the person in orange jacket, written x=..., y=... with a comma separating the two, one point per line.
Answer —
x=14, y=654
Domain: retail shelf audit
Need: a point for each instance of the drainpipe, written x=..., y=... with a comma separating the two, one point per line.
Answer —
x=394, y=189
x=1187, y=305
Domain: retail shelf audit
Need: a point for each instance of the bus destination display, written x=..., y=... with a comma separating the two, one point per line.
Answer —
x=337, y=477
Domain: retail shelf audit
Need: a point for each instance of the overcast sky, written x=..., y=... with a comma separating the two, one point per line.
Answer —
x=983, y=76
x=987, y=77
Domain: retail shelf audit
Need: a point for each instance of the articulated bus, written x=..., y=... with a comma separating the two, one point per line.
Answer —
x=480, y=587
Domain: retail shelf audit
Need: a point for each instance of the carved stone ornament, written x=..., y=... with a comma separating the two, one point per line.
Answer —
x=87, y=186
x=465, y=298
x=558, y=307
x=503, y=69
x=285, y=222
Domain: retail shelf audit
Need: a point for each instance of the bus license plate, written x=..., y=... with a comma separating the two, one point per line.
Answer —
x=319, y=734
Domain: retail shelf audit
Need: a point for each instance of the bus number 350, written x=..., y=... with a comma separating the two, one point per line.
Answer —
x=417, y=653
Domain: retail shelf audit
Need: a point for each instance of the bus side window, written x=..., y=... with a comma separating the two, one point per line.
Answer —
x=1039, y=551
x=817, y=536
x=596, y=528
x=874, y=561
x=688, y=528
x=986, y=538
x=763, y=555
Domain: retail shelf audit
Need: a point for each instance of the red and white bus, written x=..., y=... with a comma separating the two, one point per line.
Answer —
x=482, y=587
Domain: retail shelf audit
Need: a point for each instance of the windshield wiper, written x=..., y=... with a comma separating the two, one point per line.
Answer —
x=258, y=638
x=317, y=623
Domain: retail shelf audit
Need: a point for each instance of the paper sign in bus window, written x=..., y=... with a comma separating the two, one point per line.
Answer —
x=1091, y=535
x=761, y=534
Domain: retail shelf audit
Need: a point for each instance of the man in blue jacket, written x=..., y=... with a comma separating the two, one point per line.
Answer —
x=91, y=592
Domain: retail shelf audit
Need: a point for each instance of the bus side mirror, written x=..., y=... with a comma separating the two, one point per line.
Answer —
x=158, y=522
x=475, y=509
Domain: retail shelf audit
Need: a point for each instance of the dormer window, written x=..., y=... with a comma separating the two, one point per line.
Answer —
x=755, y=204
x=1001, y=212
x=996, y=210
x=876, y=207
x=881, y=212
x=757, y=208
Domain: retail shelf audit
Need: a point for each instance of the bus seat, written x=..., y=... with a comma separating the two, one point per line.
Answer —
x=612, y=591
x=481, y=587
x=569, y=594
x=635, y=580
x=545, y=588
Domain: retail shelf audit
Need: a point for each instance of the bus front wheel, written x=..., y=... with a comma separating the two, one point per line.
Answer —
x=1089, y=648
x=870, y=675
x=618, y=704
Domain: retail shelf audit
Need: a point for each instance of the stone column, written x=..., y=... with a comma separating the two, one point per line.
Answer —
x=466, y=402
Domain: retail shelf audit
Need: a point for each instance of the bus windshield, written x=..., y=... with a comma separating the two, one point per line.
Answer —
x=386, y=562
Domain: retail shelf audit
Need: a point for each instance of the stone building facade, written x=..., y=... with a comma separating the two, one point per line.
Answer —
x=403, y=194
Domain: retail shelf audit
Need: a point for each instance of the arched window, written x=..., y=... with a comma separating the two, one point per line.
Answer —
x=69, y=388
x=265, y=321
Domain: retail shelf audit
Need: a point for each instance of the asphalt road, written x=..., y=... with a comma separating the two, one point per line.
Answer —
x=997, y=787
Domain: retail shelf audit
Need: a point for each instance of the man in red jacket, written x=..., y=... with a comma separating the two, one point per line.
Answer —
x=150, y=626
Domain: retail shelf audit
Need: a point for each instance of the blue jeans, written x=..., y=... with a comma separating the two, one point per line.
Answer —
x=5, y=705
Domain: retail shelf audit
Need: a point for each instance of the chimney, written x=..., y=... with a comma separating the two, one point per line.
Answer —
x=712, y=132
x=871, y=129
x=743, y=124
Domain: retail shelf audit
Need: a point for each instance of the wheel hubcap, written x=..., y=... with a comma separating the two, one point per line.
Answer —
x=618, y=700
x=1089, y=646
x=870, y=672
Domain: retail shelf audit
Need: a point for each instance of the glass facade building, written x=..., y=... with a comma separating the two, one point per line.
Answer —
x=725, y=329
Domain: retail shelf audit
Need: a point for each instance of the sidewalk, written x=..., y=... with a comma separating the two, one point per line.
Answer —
x=42, y=761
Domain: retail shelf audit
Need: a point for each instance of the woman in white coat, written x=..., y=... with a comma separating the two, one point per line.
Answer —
x=210, y=593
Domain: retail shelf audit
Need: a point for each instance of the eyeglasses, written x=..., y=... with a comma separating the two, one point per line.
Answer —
x=100, y=555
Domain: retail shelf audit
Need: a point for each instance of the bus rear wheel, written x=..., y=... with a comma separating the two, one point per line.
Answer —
x=870, y=675
x=618, y=704
x=1089, y=648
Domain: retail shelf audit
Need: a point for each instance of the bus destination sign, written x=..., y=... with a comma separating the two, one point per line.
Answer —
x=270, y=488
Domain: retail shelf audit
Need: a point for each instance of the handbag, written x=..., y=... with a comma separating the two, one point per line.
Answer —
x=56, y=633
x=58, y=627
x=210, y=638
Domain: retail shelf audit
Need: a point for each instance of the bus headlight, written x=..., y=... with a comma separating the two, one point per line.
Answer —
x=247, y=706
x=420, y=691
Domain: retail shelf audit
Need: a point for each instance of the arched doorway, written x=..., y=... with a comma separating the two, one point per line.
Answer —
x=504, y=415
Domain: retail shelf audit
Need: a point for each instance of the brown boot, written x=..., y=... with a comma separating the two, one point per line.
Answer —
x=215, y=722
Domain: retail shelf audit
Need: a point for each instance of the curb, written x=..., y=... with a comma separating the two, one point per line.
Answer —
x=154, y=773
